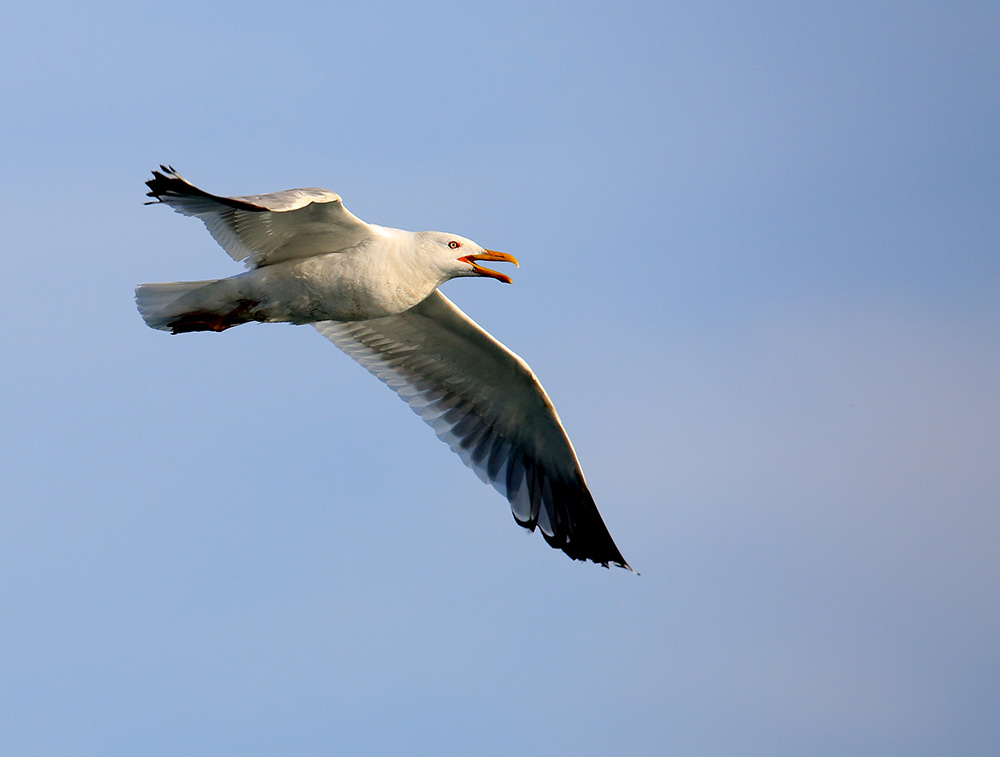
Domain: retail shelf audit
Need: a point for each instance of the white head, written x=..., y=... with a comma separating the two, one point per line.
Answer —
x=458, y=256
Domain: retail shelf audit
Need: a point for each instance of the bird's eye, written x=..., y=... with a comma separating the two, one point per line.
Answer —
x=454, y=245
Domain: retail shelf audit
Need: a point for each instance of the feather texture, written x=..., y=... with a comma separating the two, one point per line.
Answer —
x=265, y=229
x=488, y=406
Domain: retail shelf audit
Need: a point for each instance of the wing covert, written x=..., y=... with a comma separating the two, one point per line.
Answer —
x=264, y=229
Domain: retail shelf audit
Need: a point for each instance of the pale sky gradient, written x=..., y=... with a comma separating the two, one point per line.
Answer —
x=760, y=278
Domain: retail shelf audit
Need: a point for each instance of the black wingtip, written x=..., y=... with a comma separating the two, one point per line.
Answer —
x=605, y=556
x=167, y=183
x=580, y=530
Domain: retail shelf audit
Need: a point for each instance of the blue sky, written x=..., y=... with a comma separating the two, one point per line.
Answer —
x=760, y=277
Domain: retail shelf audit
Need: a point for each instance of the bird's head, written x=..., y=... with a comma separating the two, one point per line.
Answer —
x=459, y=256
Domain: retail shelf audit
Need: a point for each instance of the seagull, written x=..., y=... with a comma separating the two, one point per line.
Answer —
x=373, y=291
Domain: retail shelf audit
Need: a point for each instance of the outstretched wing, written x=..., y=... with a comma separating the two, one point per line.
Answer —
x=265, y=229
x=487, y=404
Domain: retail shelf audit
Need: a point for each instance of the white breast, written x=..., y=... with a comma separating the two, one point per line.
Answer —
x=369, y=282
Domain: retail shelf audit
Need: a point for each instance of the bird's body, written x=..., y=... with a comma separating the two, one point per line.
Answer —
x=372, y=290
x=363, y=282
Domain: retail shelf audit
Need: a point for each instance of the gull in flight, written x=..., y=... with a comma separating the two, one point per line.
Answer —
x=373, y=291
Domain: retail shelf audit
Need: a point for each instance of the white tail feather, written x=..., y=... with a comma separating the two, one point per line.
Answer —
x=159, y=304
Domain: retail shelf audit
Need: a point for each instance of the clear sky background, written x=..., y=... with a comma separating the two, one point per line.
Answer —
x=760, y=249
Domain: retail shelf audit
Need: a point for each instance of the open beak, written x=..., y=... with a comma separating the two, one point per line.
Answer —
x=491, y=255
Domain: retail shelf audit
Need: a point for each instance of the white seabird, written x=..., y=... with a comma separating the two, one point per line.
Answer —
x=373, y=291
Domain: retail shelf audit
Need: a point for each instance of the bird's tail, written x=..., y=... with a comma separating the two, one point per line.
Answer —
x=182, y=306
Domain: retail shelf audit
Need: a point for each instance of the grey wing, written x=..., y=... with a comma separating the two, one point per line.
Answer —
x=269, y=228
x=488, y=406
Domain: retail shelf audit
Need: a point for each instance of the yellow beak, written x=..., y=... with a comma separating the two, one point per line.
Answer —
x=491, y=255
